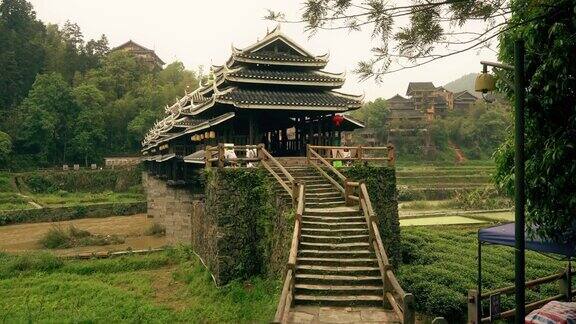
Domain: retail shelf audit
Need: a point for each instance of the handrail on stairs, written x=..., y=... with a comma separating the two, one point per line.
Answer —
x=287, y=295
x=401, y=301
x=266, y=157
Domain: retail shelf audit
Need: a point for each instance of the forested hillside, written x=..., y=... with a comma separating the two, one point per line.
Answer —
x=66, y=99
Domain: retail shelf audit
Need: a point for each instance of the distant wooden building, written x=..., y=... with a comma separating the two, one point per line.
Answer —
x=147, y=56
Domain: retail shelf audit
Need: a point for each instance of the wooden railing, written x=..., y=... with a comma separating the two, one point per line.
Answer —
x=402, y=302
x=357, y=153
x=287, y=294
x=216, y=155
x=313, y=158
x=475, y=309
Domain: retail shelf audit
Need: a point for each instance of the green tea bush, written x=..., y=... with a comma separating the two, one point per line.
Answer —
x=439, y=267
x=483, y=198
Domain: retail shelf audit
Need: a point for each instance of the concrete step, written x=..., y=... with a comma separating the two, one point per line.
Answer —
x=338, y=301
x=334, y=239
x=334, y=231
x=312, y=195
x=357, y=253
x=318, y=186
x=325, y=199
x=334, y=246
x=338, y=290
x=332, y=219
x=332, y=224
x=337, y=262
x=341, y=211
x=335, y=270
x=313, y=204
x=338, y=279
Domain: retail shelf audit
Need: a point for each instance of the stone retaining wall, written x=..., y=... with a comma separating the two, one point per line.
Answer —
x=181, y=212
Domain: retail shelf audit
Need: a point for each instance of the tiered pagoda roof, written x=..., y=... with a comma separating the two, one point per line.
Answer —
x=275, y=73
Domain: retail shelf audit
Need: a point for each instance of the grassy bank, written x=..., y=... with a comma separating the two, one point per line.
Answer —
x=439, y=266
x=170, y=286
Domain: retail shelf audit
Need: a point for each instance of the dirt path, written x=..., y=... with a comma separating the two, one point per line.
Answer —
x=25, y=237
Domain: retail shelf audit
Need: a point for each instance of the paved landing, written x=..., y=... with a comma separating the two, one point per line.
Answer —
x=315, y=314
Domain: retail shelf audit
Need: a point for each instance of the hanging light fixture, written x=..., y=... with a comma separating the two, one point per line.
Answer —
x=212, y=134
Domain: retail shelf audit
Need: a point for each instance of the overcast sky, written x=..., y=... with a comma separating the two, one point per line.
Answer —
x=201, y=33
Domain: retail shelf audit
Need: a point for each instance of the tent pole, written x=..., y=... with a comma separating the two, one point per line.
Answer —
x=479, y=294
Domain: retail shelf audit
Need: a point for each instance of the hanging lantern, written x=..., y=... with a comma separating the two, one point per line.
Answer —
x=193, y=138
x=201, y=136
x=212, y=134
x=207, y=135
x=337, y=120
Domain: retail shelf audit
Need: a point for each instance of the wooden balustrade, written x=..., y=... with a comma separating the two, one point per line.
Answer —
x=565, y=292
x=402, y=303
x=287, y=295
x=359, y=153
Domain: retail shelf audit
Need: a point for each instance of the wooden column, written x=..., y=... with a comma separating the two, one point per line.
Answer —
x=250, y=129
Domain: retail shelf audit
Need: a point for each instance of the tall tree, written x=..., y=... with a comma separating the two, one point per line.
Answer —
x=46, y=117
x=550, y=116
x=89, y=134
x=21, y=52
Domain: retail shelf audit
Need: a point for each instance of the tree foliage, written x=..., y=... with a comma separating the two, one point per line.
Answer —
x=478, y=131
x=68, y=100
x=550, y=116
x=409, y=35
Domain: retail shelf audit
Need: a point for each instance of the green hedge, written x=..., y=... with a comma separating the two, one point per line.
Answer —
x=50, y=214
x=439, y=267
x=381, y=184
x=241, y=203
x=82, y=180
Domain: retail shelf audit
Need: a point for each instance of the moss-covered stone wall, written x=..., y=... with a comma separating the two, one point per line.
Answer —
x=381, y=185
x=252, y=226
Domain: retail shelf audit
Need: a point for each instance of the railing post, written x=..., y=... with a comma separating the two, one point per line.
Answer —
x=409, y=316
x=391, y=155
x=220, y=155
x=295, y=193
x=259, y=152
x=308, y=153
x=472, y=307
x=347, y=193
x=207, y=157
x=360, y=153
x=566, y=285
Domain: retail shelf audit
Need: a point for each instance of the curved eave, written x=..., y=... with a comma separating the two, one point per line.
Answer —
x=272, y=80
x=193, y=129
x=249, y=105
x=266, y=61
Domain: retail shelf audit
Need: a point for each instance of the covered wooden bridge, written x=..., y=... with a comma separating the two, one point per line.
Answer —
x=271, y=104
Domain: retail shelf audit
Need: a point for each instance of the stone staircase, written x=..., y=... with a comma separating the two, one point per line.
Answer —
x=335, y=265
x=320, y=193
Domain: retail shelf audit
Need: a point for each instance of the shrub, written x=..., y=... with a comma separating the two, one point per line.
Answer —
x=58, y=238
x=156, y=230
x=483, y=198
x=83, y=181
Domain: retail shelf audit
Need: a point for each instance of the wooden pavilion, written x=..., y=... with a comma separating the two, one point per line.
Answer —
x=273, y=92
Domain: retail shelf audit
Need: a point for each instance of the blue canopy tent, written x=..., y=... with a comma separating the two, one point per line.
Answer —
x=505, y=234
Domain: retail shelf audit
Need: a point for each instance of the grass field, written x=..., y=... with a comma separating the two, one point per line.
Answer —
x=165, y=287
x=439, y=266
x=81, y=198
